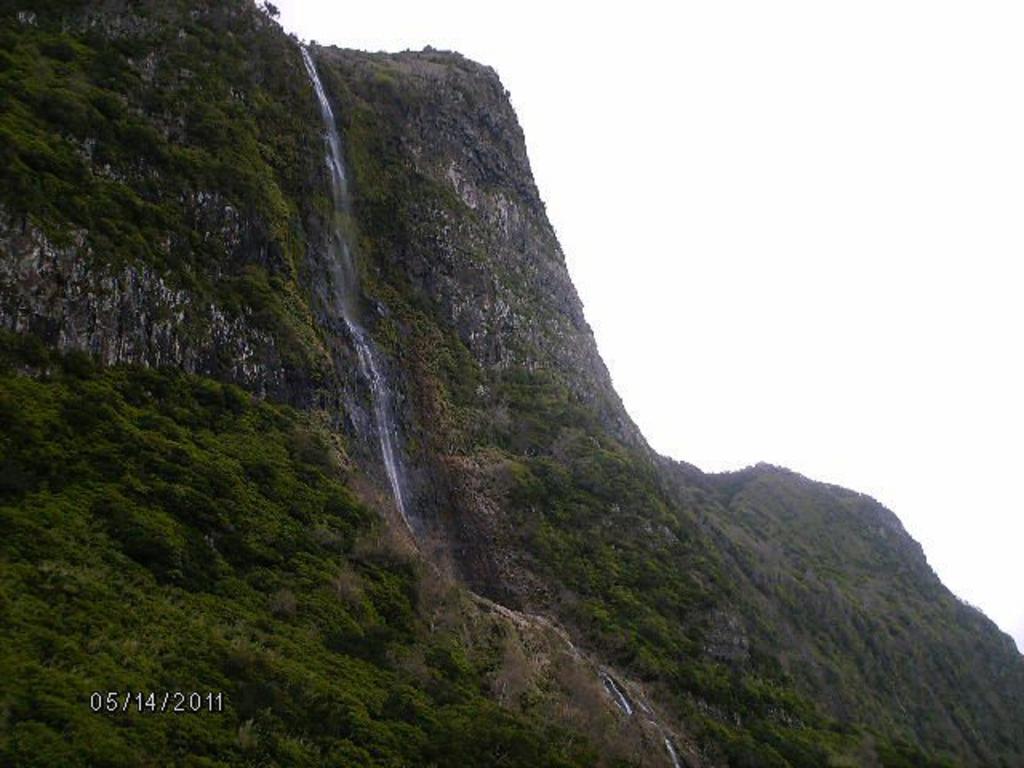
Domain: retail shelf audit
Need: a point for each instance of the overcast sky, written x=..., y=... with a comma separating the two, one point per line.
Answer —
x=797, y=229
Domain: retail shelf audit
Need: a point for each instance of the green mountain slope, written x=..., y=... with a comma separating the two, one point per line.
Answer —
x=855, y=607
x=166, y=533
x=192, y=496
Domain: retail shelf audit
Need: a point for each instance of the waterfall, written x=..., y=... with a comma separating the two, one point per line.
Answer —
x=617, y=694
x=344, y=297
x=622, y=701
x=672, y=753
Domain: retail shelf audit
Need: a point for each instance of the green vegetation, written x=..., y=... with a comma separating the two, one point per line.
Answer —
x=85, y=146
x=161, y=531
x=166, y=532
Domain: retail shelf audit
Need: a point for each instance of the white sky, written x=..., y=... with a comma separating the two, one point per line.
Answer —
x=796, y=227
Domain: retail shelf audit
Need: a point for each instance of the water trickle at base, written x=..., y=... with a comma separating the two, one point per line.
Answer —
x=620, y=698
x=672, y=753
x=345, y=299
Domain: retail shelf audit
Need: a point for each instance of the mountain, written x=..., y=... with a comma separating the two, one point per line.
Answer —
x=301, y=413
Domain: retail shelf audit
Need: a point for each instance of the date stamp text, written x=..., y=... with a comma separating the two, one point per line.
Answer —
x=157, y=702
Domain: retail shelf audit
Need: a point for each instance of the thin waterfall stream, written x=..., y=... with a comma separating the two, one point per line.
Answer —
x=617, y=694
x=345, y=298
x=623, y=702
x=673, y=756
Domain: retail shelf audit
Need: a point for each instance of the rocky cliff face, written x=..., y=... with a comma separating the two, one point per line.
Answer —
x=464, y=226
x=130, y=315
x=149, y=214
x=164, y=204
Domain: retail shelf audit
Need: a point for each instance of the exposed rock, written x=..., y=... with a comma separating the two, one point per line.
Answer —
x=727, y=639
x=131, y=315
